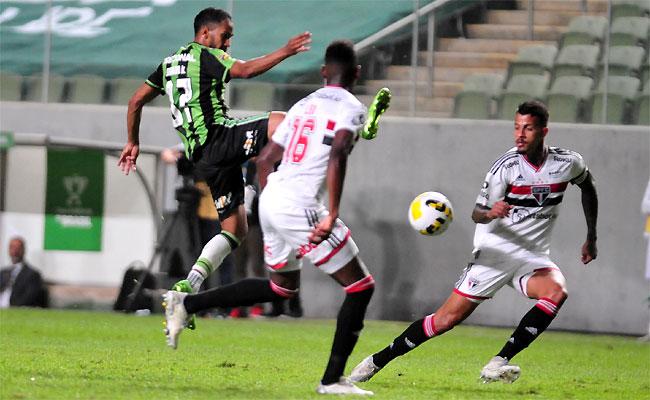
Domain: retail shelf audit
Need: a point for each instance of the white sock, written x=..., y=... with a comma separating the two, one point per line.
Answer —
x=211, y=258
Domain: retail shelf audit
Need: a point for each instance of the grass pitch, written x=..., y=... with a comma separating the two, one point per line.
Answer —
x=48, y=354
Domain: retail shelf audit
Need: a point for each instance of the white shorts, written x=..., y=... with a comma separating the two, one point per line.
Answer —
x=481, y=279
x=286, y=229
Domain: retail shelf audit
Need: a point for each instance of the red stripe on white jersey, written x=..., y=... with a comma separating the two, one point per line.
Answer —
x=526, y=189
x=429, y=326
x=330, y=125
x=361, y=285
x=278, y=265
x=333, y=252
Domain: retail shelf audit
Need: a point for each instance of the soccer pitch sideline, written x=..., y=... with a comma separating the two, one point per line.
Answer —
x=50, y=354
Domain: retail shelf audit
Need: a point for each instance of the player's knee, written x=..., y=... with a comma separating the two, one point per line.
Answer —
x=447, y=321
x=557, y=293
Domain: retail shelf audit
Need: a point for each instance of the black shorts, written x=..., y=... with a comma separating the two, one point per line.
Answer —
x=218, y=161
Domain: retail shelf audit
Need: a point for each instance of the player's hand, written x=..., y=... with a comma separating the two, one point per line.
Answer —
x=298, y=43
x=323, y=230
x=589, y=251
x=128, y=157
x=500, y=209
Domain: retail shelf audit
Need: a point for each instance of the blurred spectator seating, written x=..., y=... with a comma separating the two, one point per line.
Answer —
x=86, y=89
x=11, y=85
x=585, y=29
x=521, y=88
x=621, y=94
x=533, y=60
x=576, y=60
x=568, y=97
x=476, y=99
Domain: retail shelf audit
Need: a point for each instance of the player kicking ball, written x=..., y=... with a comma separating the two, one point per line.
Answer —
x=515, y=212
x=312, y=143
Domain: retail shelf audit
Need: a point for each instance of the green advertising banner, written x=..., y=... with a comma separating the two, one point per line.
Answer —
x=74, y=200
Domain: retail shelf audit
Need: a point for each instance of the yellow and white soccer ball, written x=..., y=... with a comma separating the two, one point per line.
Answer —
x=430, y=213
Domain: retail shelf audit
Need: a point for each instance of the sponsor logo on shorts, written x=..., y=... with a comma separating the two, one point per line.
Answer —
x=304, y=249
x=223, y=201
x=251, y=140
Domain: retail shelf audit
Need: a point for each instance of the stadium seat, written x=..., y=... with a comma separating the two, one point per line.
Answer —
x=576, y=60
x=11, y=85
x=567, y=98
x=585, y=29
x=623, y=61
x=521, y=88
x=630, y=8
x=253, y=96
x=86, y=89
x=34, y=88
x=630, y=31
x=122, y=89
x=533, y=60
x=476, y=99
x=642, y=106
x=621, y=93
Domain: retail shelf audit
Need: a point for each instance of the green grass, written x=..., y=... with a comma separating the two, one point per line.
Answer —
x=49, y=354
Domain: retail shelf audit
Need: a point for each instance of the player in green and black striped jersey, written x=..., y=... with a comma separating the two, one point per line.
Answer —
x=194, y=79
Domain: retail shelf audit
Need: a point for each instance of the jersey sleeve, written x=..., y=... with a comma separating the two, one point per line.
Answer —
x=352, y=119
x=155, y=80
x=493, y=189
x=283, y=131
x=579, y=170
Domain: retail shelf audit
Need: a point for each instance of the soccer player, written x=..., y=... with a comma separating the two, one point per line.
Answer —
x=515, y=212
x=194, y=79
x=312, y=143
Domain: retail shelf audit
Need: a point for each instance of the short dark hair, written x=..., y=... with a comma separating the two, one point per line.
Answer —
x=209, y=15
x=536, y=109
x=342, y=54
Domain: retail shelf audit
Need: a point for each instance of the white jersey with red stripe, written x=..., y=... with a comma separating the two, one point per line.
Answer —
x=306, y=134
x=535, y=194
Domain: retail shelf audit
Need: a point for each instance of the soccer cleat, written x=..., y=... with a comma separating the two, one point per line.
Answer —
x=378, y=106
x=365, y=370
x=343, y=386
x=498, y=369
x=185, y=287
x=175, y=316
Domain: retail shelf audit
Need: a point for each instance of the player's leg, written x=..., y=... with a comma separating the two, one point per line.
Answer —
x=549, y=288
x=454, y=311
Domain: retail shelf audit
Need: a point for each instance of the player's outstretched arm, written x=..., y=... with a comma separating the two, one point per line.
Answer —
x=259, y=65
x=131, y=150
x=590, y=208
x=484, y=215
x=337, y=164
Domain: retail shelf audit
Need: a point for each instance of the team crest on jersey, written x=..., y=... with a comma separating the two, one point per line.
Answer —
x=541, y=193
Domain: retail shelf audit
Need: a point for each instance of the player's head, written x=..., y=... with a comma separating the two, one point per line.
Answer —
x=213, y=28
x=531, y=119
x=340, y=64
x=16, y=249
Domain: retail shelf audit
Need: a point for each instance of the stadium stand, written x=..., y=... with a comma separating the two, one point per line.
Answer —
x=621, y=94
x=630, y=31
x=630, y=8
x=623, y=61
x=645, y=70
x=122, y=89
x=533, y=60
x=585, y=29
x=34, y=88
x=576, y=60
x=519, y=89
x=11, y=85
x=641, y=114
x=568, y=97
x=86, y=89
x=477, y=99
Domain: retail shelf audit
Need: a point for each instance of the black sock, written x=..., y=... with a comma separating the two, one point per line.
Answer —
x=243, y=293
x=348, y=327
x=411, y=338
x=531, y=326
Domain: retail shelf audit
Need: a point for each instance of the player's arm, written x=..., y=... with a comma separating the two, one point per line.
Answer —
x=131, y=150
x=256, y=66
x=337, y=164
x=266, y=160
x=485, y=215
x=590, y=208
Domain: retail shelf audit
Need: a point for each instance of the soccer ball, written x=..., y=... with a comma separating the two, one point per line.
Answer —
x=430, y=213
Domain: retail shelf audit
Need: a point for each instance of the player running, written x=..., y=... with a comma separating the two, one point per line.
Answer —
x=313, y=144
x=515, y=212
